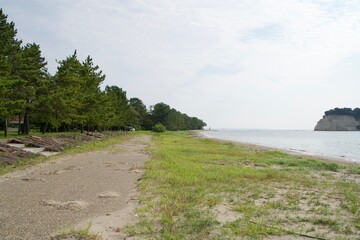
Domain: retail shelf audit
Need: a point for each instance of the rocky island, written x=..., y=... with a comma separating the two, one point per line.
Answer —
x=340, y=119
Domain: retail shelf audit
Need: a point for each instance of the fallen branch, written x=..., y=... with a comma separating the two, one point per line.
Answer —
x=287, y=231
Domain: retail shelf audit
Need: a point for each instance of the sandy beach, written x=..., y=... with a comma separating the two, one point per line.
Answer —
x=258, y=147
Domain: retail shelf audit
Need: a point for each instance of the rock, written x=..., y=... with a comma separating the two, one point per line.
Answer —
x=3, y=149
x=95, y=134
x=8, y=159
x=49, y=143
x=10, y=155
x=337, y=123
x=16, y=140
x=32, y=145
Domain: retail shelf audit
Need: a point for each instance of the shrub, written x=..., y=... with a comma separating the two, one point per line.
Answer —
x=159, y=128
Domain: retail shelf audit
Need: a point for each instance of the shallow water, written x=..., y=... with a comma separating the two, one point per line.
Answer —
x=342, y=145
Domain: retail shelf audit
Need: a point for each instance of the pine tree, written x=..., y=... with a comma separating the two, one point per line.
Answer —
x=138, y=113
x=67, y=92
x=92, y=77
x=31, y=74
x=118, y=110
x=160, y=112
x=44, y=105
x=10, y=52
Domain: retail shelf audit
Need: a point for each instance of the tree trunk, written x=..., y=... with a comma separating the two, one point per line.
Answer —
x=56, y=117
x=82, y=128
x=45, y=128
x=6, y=127
x=19, y=127
x=26, y=127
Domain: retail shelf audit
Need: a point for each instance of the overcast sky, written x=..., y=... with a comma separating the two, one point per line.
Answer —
x=276, y=64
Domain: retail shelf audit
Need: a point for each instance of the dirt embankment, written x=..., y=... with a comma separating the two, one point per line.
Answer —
x=10, y=152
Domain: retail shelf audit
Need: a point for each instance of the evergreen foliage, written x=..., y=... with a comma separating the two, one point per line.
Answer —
x=10, y=50
x=71, y=99
x=344, y=111
x=159, y=128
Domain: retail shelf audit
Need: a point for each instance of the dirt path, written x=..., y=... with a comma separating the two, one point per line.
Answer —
x=95, y=187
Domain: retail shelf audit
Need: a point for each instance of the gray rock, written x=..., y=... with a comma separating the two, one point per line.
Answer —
x=337, y=123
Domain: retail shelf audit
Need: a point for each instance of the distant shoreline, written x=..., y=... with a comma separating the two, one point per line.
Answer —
x=267, y=148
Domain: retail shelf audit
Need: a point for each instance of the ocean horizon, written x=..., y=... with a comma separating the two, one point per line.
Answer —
x=341, y=145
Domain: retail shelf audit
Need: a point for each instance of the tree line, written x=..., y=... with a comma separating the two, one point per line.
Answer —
x=71, y=99
x=344, y=111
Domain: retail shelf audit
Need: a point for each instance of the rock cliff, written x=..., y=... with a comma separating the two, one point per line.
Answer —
x=338, y=123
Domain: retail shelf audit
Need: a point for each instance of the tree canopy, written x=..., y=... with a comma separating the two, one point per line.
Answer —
x=344, y=111
x=72, y=98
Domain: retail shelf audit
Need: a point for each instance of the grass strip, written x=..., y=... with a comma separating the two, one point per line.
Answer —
x=196, y=188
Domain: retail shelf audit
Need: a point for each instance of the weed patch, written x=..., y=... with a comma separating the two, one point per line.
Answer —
x=81, y=234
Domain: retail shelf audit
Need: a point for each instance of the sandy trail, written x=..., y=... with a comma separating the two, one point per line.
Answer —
x=41, y=201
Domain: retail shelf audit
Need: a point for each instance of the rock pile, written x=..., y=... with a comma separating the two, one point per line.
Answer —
x=74, y=139
x=10, y=153
x=49, y=143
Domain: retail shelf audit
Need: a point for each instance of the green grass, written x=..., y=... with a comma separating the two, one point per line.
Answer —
x=189, y=178
x=81, y=234
x=33, y=133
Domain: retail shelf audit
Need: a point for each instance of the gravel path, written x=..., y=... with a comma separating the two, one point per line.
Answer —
x=49, y=198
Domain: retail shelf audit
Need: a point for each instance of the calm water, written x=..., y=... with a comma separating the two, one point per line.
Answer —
x=343, y=145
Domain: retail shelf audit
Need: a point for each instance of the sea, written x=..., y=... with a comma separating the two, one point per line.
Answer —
x=333, y=144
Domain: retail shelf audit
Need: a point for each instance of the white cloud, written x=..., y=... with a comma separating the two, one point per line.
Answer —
x=228, y=62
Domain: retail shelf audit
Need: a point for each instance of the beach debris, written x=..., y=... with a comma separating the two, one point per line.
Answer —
x=70, y=205
x=33, y=179
x=108, y=194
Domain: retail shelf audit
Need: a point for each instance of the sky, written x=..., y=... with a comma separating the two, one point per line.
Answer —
x=269, y=64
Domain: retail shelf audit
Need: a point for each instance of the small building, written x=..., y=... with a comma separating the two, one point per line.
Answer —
x=13, y=123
